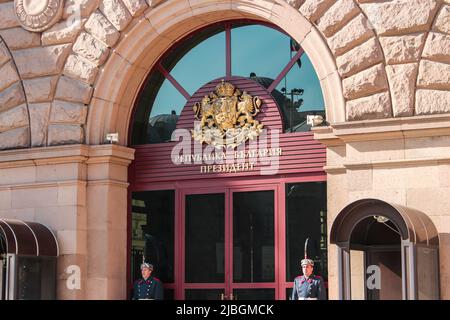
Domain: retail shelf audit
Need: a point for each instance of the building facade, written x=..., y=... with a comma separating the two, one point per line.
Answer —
x=72, y=72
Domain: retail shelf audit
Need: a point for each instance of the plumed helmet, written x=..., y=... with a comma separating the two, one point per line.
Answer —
x=146, y=265
x=305, y=261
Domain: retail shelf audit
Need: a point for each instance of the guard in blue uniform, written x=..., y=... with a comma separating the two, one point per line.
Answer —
x=148, y=287
x=308, y=286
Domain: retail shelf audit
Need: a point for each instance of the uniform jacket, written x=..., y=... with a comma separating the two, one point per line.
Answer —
x=148, y=289
x=313, y=287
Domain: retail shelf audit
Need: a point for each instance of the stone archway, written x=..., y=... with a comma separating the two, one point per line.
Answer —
x=380, y=60
x=121, y=77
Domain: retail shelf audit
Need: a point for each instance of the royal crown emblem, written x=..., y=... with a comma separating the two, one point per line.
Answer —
x=226, y=117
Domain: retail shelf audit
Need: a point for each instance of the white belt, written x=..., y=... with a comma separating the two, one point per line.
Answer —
x=308, y=299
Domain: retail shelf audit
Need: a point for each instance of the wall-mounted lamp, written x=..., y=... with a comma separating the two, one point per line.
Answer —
x=314, y=120
x=381, y=219
x=112, y=137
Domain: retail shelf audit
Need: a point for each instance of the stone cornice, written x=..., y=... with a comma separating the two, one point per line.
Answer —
x=111, y=150
x=384, y=129
x=51, y=184
x=108, y=182
x=385, y=164
x=66, y=154
x=44, y=153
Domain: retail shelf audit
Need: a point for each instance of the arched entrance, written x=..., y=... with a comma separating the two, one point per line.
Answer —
x=152, y=33
x=386, y=252
x=123, y=75
x=220, y=206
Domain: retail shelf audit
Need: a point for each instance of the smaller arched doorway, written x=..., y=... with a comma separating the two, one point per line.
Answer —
x=385, y=252
x=28, y=253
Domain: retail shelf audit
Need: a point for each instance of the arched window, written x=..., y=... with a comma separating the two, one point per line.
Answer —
x=238, y=48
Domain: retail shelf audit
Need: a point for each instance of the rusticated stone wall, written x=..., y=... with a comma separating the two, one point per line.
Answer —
x=388, y=54
x=393, y=59
x=382, y=59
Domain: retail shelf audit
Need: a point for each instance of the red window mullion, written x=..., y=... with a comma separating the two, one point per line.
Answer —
x=286, y=70
x=228, y=49
x=172, y=80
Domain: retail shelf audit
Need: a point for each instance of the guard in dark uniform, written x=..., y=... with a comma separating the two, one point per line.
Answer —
x=148, y=287
x=308, y=286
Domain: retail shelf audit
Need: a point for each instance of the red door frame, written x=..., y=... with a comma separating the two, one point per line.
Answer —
x=275, y=189
x=182, y=286
x=228, y=285
x=235, y=184
x=314, y=174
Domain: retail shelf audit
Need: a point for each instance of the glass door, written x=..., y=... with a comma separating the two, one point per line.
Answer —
x=204, y=246
x=229, y=244
x=253, y=236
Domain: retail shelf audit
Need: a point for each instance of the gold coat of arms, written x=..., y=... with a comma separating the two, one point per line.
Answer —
x=226, y=117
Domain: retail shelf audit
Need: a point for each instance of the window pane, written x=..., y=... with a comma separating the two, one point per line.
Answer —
x=253, y=237
x=306, y=218
x=302, y=86
x=203, y=294
x=36, y=278
x=254, y=294
x=159, y=106
x=200, y=59
x=260, y=50
x=357, y=275
x=427, y=273
x=384, y=274
x=169, y=294
x=205, y=251
x=153, y=214
x=169, y=101
x=288, y=293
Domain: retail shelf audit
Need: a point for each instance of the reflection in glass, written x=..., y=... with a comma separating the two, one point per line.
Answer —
x=357, y=275
x=198, y=52
x=169, y=294
x=169, y=101
x=153, y=214
x=165, y=112
x=288, y=293
x=306, y=218
x=253, y=237
x=254, y=294
x=36, y=278
x=205, y=230
x=258, y=49
x=383, y=275
x=378, y=244
x=298, y=95
x=203, y=294
x=257, y=52
x=427, y=273
x=159, y=107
